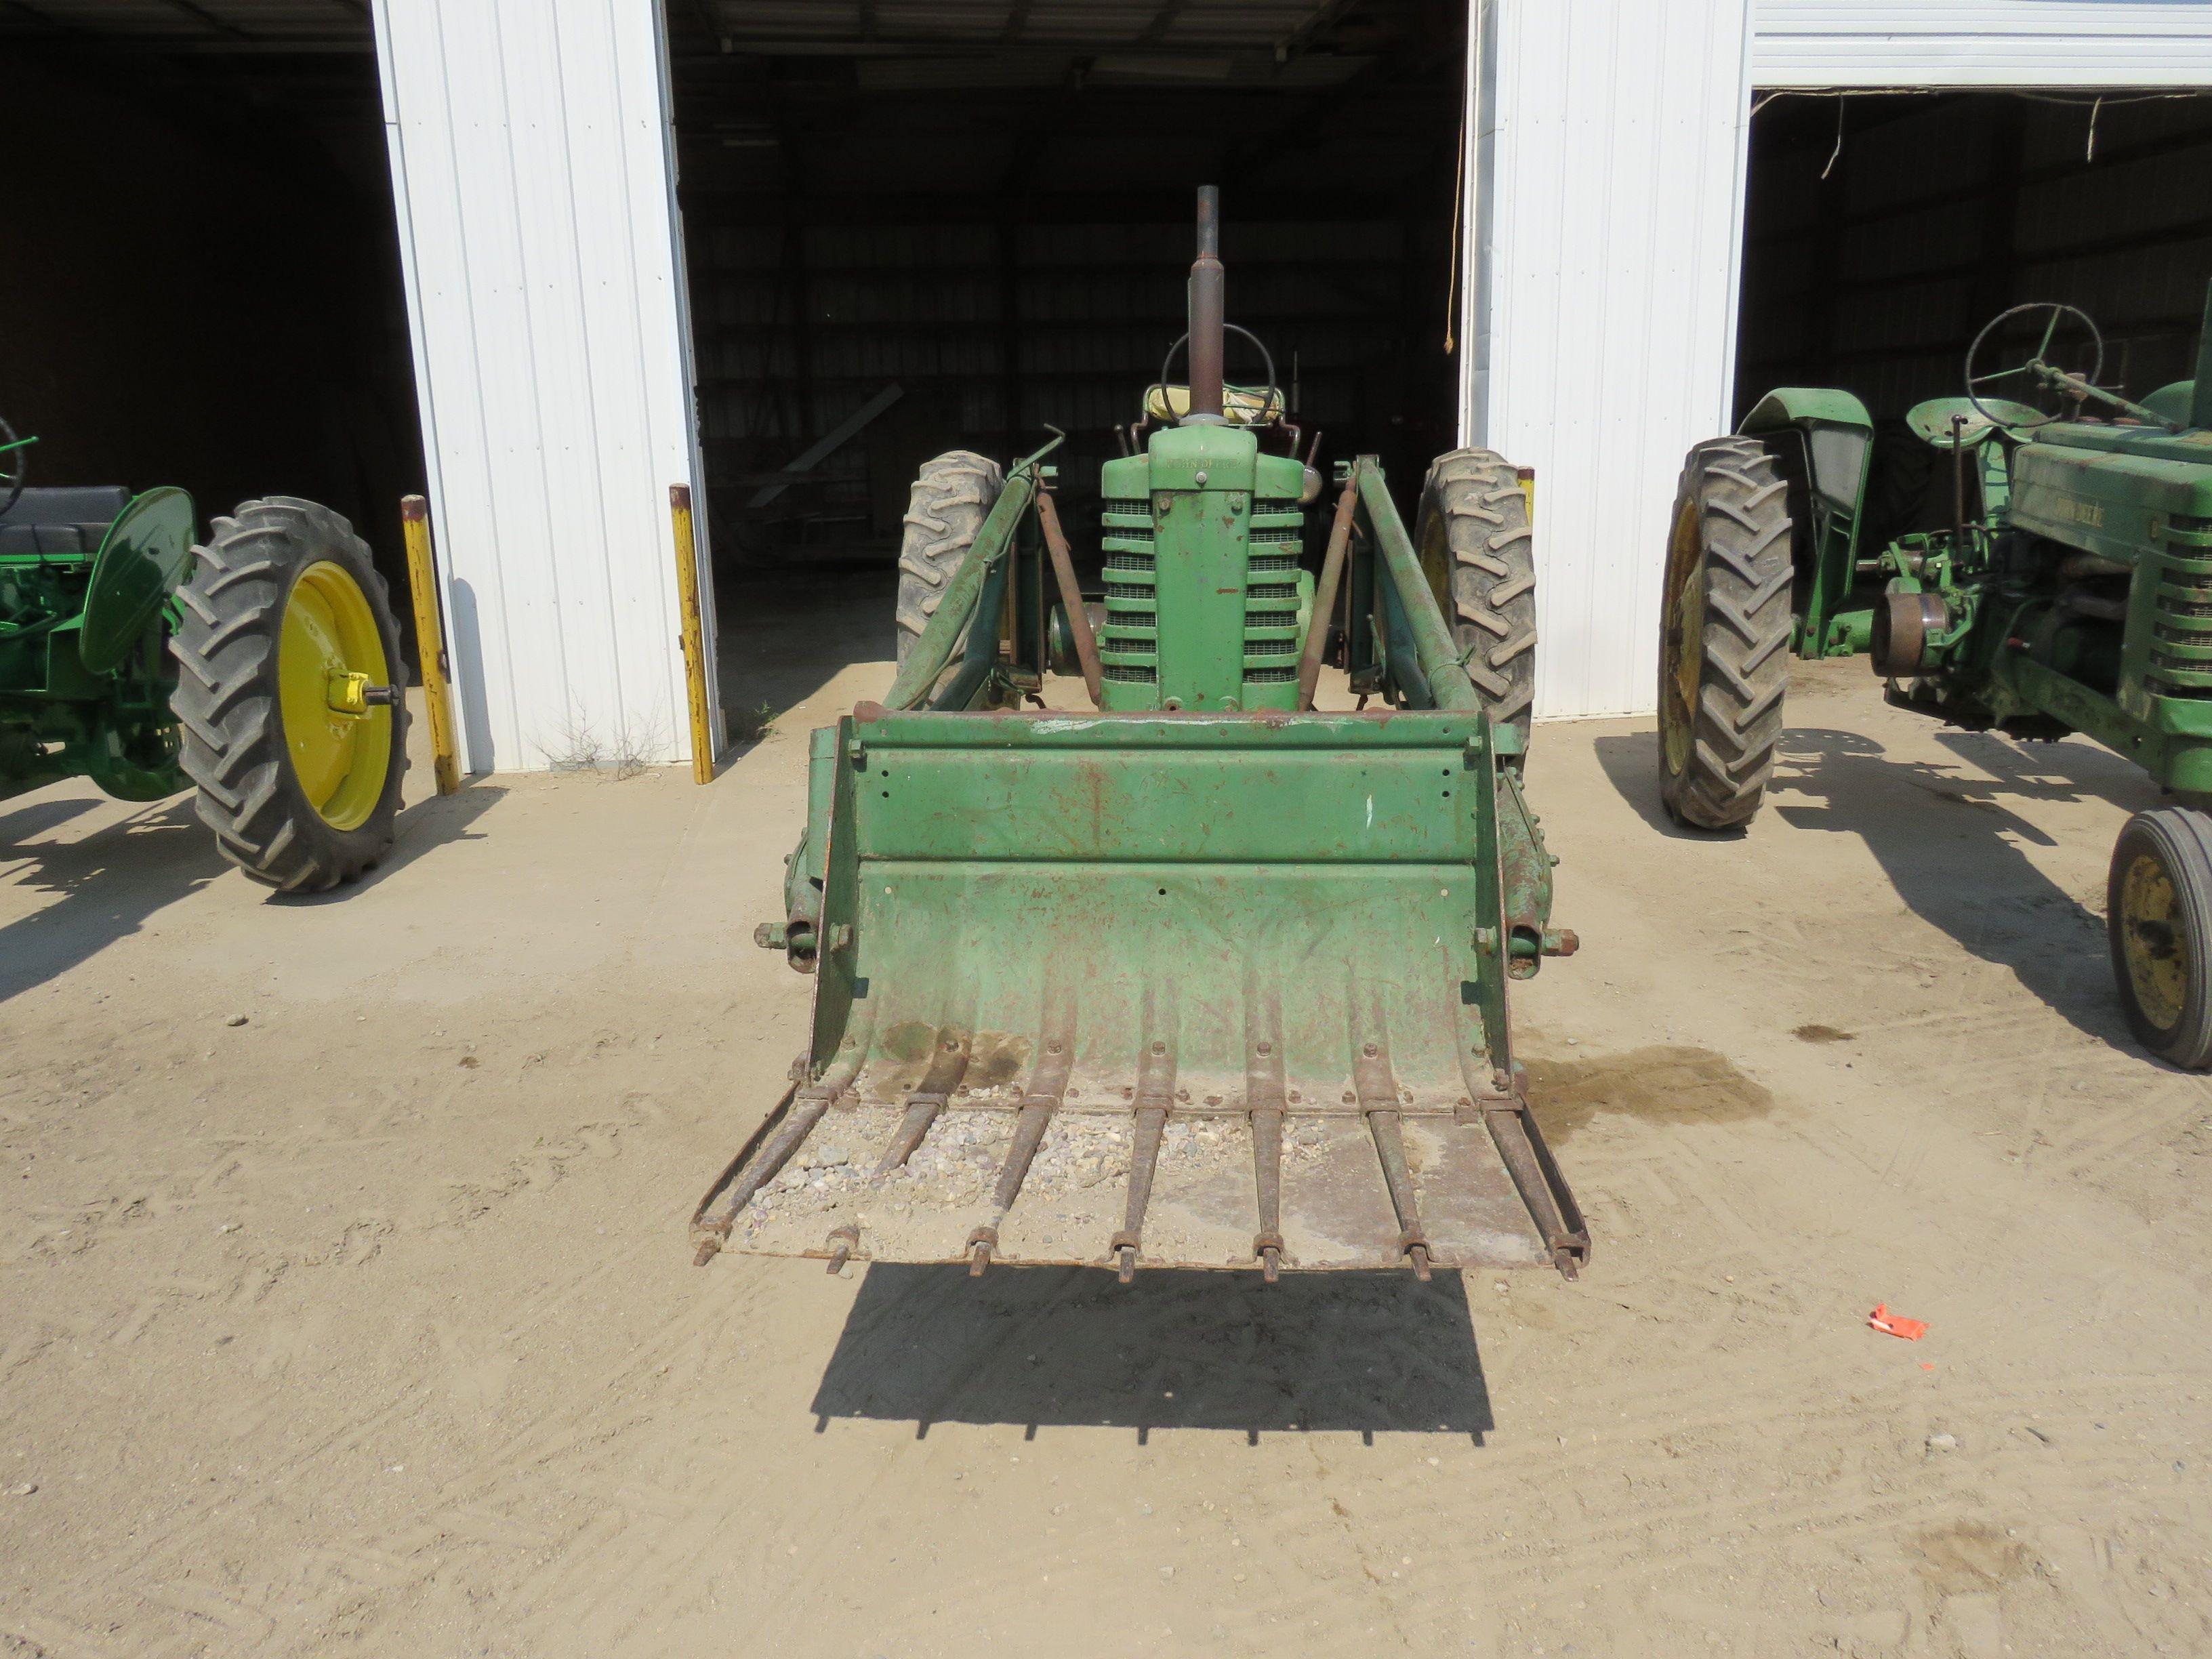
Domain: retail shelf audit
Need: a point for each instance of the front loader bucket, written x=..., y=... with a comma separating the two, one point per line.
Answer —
x=1179, y=990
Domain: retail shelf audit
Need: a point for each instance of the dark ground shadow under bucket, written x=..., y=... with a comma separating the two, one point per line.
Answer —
x=1178, y=1349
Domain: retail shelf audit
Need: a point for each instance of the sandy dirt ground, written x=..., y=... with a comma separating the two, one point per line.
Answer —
x=346, y=1304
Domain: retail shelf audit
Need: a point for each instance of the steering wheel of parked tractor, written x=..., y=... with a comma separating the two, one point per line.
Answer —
x=14, y=465
x=1274, y=392
x=2050, y=368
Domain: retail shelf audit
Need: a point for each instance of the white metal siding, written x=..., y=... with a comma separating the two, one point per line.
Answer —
x=532, y=167
x=1982, y=43
x=1607, y=186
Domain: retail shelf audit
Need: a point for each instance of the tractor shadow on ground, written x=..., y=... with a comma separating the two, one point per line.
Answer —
x=108, y=883
x=1378, y=1352
x=423, y=828
x=1950, y=844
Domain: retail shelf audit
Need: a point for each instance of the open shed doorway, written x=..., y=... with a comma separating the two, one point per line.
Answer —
x=915, y=225
x=199, y=271
x=1883, y=229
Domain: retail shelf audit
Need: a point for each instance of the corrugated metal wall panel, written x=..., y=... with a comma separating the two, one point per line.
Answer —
x=1608, y=177
x=1982, y=43
x=531, y=168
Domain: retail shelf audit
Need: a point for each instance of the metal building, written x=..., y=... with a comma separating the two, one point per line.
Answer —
x=651, y=243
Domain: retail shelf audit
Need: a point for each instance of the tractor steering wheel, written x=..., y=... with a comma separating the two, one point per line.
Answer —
x=2048, y=378
x=14, y=465
x=1274, y=392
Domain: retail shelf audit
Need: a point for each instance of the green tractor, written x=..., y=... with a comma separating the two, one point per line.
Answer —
x=1201, y=975
x=262, y=665
x=2070, y=590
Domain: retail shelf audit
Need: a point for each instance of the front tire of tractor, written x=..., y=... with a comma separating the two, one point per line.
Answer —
x=1724, y=640
x=952, y=497
x=2158, y=915
x=286, y=633
x=1473, y=536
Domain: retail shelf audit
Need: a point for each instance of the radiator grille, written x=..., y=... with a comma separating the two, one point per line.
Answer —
x=2181, y=633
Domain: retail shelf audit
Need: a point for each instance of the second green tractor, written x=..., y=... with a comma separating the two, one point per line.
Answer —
x=2063, y=585
x=259, y=665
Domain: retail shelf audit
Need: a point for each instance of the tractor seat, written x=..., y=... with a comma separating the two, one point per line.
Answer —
x=62, y=520
x=1242, y=405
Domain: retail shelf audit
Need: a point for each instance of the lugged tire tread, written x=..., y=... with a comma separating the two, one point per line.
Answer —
x=1743, y=514
x=1493, y=575
x=226, y=703
x=953, y=495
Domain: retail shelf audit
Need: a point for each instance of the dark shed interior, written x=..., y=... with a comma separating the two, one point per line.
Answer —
x=1937, y=212
x=199, y=275
x=969, y=221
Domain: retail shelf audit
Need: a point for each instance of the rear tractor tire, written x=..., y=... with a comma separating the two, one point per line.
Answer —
x=2158, y=915
x=1724, y=640
x=952, y=497
x=291, y=695
x=1476, y=549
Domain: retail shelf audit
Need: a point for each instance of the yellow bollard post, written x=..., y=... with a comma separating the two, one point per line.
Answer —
x=430, y=641
x=695, y=635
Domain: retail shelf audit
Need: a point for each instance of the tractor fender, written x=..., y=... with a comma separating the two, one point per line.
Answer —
x=146, y=553
x=1802, y=406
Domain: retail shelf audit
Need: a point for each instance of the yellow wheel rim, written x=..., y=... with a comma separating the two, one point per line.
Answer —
x=2152, y=941
x=1684, y=647
x=330, y=649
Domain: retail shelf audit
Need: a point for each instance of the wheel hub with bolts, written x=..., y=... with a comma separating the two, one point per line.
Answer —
x=330, y=659
x=2158, y=917
x=2151, y=942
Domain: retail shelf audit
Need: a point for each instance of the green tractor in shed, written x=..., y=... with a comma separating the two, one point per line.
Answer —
x=1202, y=975
x=2070, y=591
x=261, y=665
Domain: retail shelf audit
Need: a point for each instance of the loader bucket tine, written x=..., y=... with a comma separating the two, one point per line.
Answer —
x=1144, y=1159
x=1377, y=1089
x=807, y=1107
x=1267, y=1178
x=1390, y=1147
x=1543, y=1189
x=1156, y=1070
x=1263, y=1098
x=947, y=1065
x=1056, y=1058
x=756, y=1164
x=1029, y=1130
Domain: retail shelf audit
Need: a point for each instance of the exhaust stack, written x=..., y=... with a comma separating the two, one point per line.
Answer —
x=1206, y=302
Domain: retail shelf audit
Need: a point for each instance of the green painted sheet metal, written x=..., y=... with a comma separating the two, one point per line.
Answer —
x=2109, y=498
x=1203, y=608
x=1788, y=405
x=146, y=553
x=1020, y=839
x=1363, y=789
x=1179, y=902
x=1444, y=676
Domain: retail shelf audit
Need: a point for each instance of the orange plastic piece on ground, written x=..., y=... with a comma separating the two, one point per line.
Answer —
x=1897, y=1324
